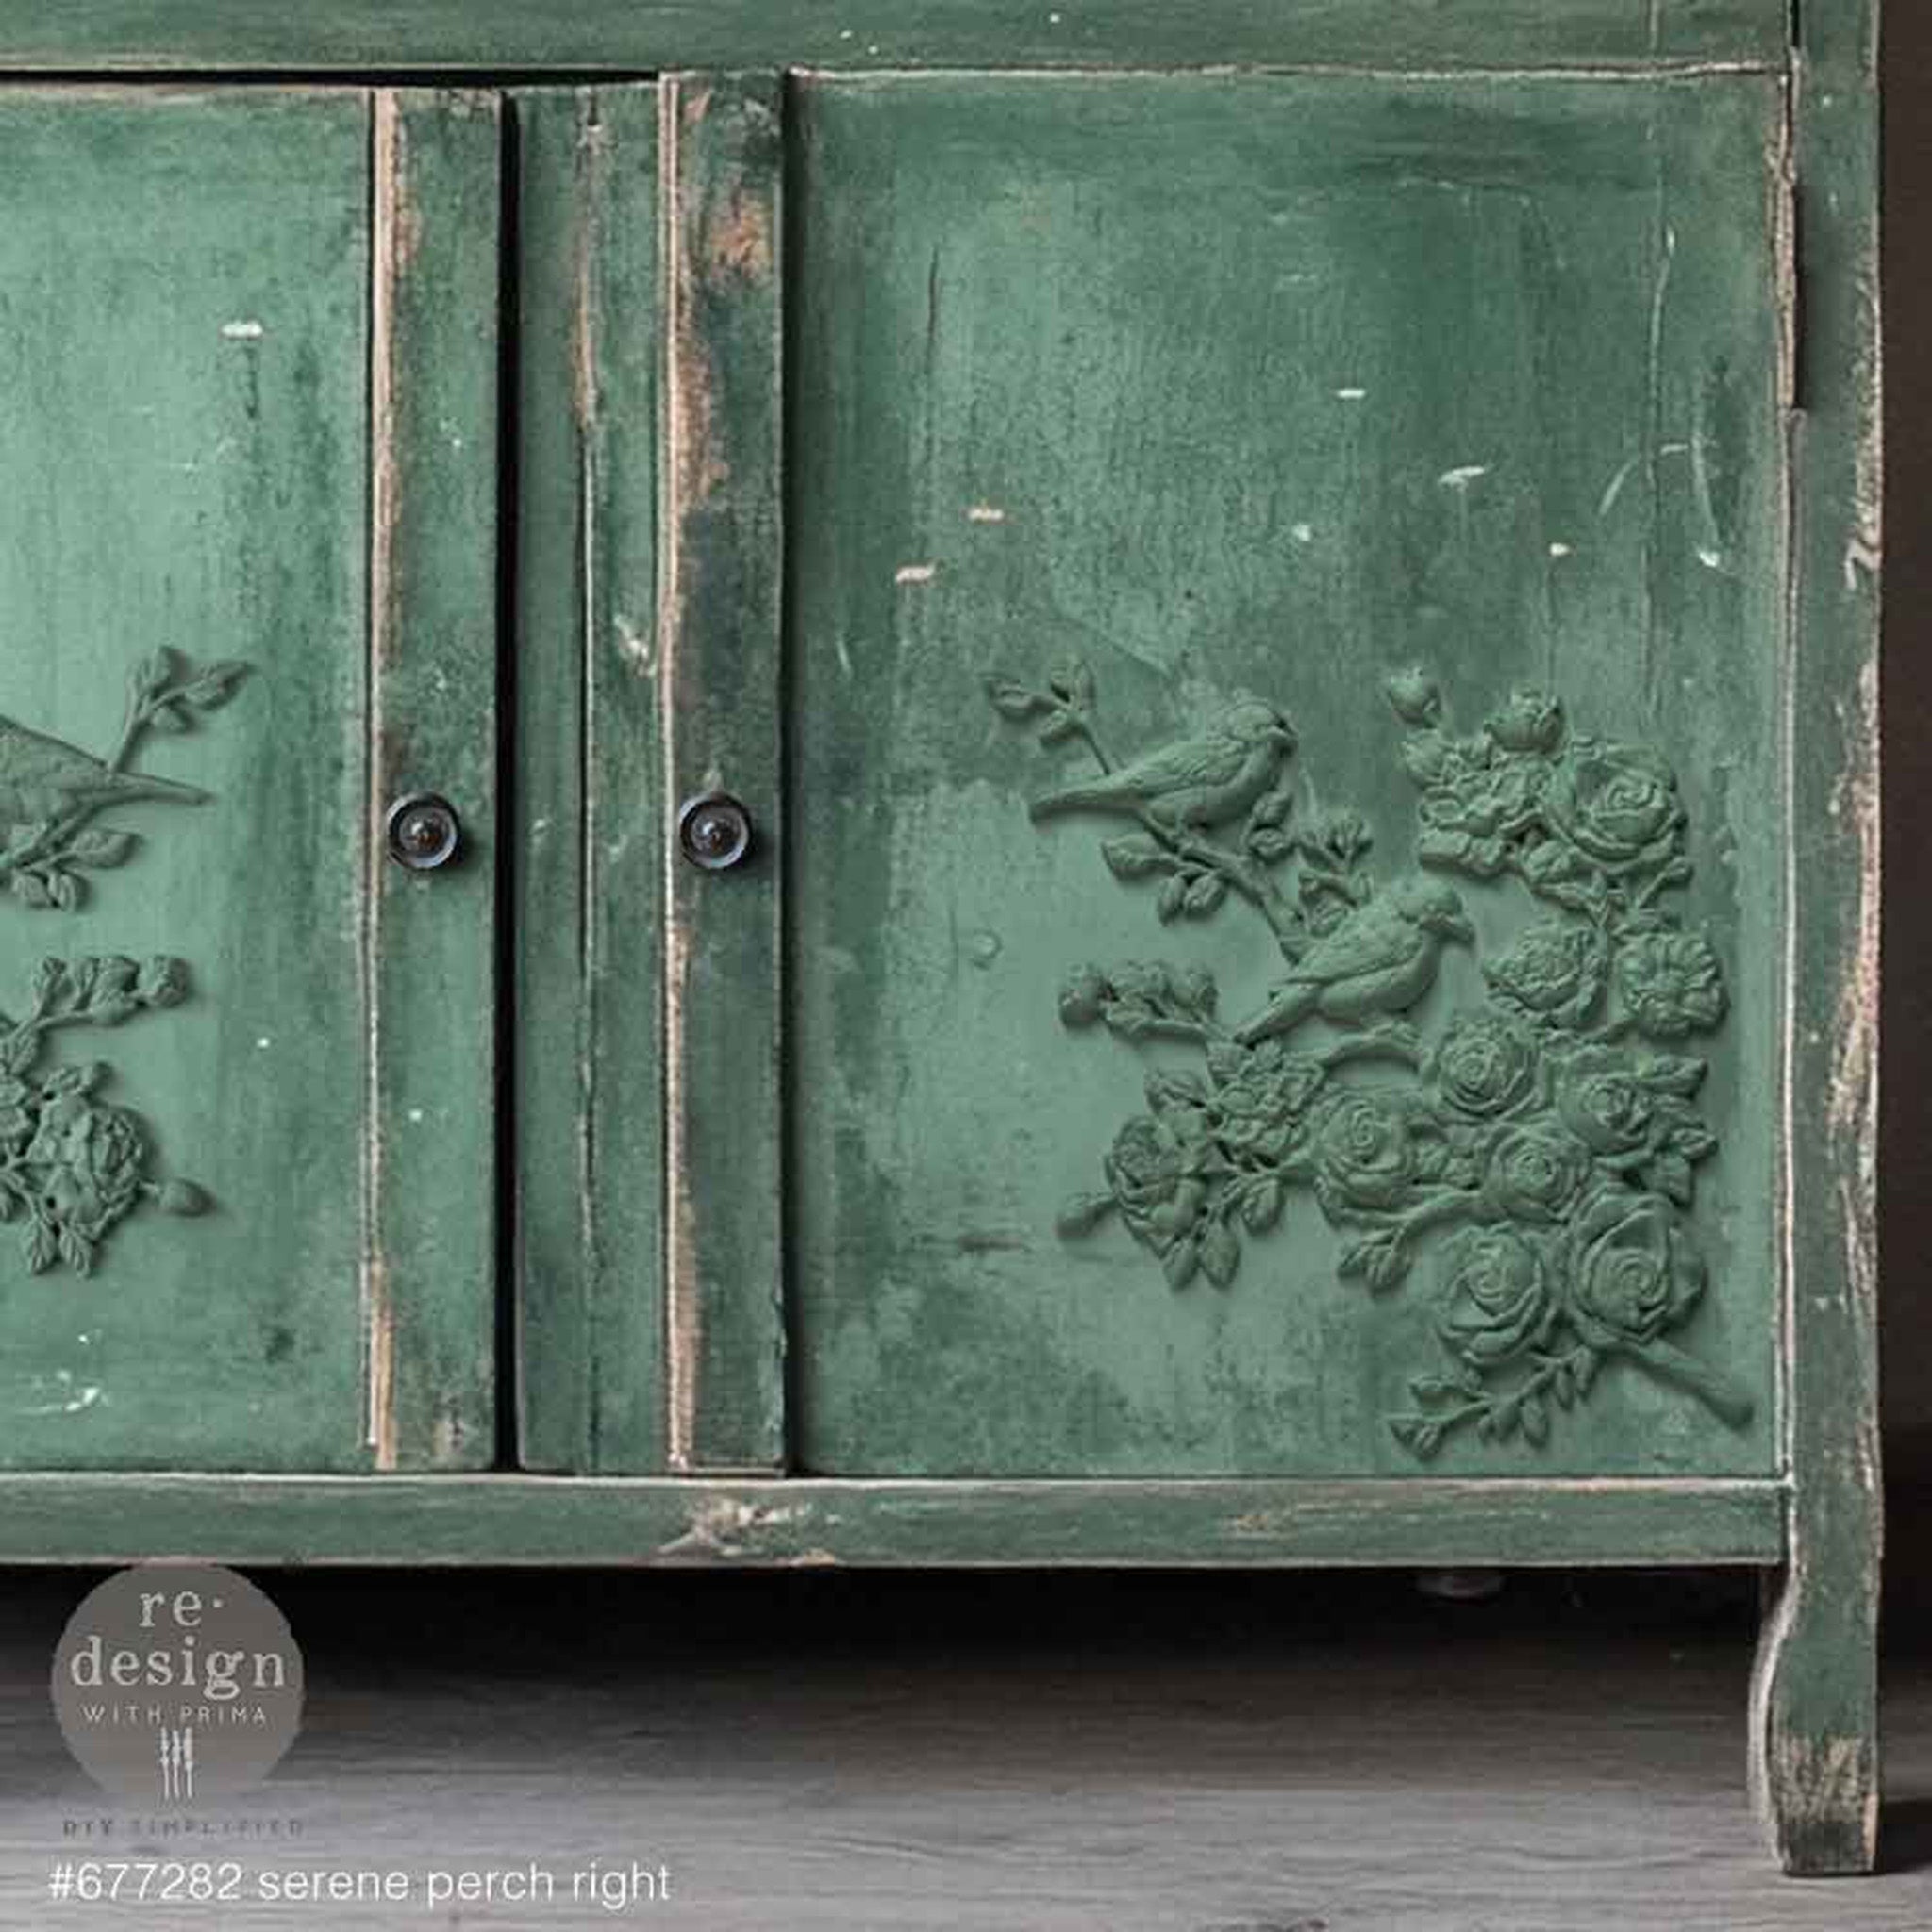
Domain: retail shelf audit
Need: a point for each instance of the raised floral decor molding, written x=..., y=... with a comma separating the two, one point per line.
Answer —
x=72, y=1165
x=1545, y=1147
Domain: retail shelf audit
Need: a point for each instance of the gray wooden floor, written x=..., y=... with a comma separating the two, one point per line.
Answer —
x=1246, y=1755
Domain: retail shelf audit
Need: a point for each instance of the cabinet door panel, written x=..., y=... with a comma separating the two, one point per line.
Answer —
x=247, y=342
x=1410, y=1067
x=589, y=861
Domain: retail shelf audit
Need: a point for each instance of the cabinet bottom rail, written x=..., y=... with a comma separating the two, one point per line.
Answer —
x=802, y=1522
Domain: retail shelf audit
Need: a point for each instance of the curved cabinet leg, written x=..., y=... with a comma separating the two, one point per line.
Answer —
x=1814, y=1711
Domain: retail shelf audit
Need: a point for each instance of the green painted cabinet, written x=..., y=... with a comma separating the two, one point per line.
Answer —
x=1154, y=751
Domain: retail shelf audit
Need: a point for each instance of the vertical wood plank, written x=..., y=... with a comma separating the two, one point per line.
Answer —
x=430, y=1271
x=1814, y=1745
x=545, y=669
x=719, y=594
x=590, y=872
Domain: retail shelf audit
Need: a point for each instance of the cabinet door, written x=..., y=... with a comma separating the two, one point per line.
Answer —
x=1286, y=838
x=247, y=586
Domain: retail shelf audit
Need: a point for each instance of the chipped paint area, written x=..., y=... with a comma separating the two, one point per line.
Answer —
x=684, y=1334
x=243, y=331
x=1853, y=1097
x=634, y=646
x=1462, y=475
x=725, y=1526
x=67, y=1397
x=915, y=572
x=741, y=239
x=985, y=513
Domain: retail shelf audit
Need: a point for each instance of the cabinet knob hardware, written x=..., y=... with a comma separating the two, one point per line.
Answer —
x=714, y=831
x=425, y=833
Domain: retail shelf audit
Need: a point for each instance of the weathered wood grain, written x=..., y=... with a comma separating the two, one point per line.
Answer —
x=802, y=1523
x=718, y=641
x=430, y=1277
x=1814, y=1736
x=119, y=34
x=589, y=920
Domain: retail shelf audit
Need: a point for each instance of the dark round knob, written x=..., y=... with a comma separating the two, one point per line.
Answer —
x=714, y=831
x=423, y=832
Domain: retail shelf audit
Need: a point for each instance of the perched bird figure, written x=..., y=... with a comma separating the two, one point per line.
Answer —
x=1379, y=961
x=42, y=780
x=1200, y=781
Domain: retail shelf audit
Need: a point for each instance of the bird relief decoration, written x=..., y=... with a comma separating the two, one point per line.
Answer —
x=1541, y=1148
x=71, y=1164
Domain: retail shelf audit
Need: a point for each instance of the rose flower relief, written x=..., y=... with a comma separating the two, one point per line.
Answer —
x=72, y=1163
x=1541, y=1151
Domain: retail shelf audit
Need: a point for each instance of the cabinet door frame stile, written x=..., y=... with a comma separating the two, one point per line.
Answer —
x=586, y=752
x=429, y=938
x=720, y=644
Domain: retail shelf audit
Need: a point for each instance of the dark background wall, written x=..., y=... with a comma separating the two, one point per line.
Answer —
x=1906, y=1168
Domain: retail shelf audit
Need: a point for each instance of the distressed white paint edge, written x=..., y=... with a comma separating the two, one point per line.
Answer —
x=680, y=1304
x=385, y=245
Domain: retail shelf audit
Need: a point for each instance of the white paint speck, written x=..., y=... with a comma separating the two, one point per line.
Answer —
x=985, y=513
x=838, y=644
x=1559, y=550
x=1350, y=395
x=243, y=331
x=633, y=642
x=915, y=572
x=845, y=33
x=264, y=1042
x=1053, y=20
x=71, y=1401
x=1709, y=559
x=1614, y=487
x=1462, y=475
x=1303, y=533
x=415, y=1116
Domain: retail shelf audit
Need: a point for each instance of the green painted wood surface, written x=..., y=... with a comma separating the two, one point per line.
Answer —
x=430, y=1284
x=718, y=636
x=648, y=34
x=184, y=350
x=684, y=1521
x=590, y=787
x=252, y=377
x=1230, y=384
x=1814, y=1745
